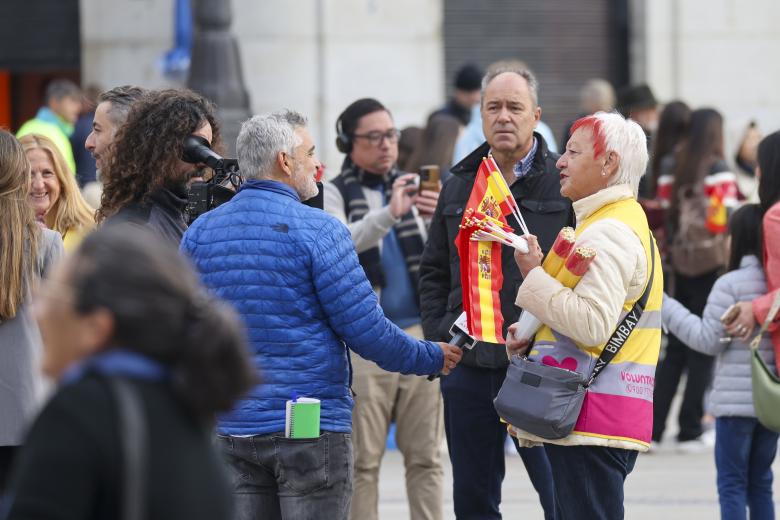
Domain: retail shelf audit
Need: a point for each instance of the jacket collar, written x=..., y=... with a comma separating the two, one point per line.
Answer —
x=118, y=362
x=169, y=199
x=269, y=185
x=48, y=115
x=586, y=206
x=467, y=168
x=749, y=261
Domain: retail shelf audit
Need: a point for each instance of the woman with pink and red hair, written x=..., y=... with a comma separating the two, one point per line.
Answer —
x=600, y=171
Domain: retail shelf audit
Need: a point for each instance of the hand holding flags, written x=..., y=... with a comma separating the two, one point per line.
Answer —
x=492, y=230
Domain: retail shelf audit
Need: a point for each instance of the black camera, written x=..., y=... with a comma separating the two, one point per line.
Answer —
x=220, y=188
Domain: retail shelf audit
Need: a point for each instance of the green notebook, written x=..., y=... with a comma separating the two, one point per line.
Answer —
x=303, y=418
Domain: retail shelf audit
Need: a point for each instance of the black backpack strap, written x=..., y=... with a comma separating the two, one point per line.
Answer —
x=133, y=437
x=627, y=324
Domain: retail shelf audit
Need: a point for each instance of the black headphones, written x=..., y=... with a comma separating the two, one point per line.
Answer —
x=343, y=141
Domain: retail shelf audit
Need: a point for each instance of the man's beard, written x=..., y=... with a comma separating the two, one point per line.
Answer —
x=195, y=175
x=305, y=185
x=180, y=184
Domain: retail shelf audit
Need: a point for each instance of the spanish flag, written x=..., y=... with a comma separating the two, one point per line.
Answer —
x=721, y=191
x=500, y=188
x=717, y=216
x=481, y=273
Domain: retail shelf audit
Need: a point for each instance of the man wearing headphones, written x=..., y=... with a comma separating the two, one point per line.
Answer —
x=386, y=217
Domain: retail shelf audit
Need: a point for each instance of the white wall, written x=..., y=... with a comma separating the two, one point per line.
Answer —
x=121, y=42
x=324, y=54
x=717, y=53
x=314, y=56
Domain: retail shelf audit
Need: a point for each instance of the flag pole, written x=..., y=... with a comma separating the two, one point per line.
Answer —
x=504, y=187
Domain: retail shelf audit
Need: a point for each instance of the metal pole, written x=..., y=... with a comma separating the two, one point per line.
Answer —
x=321, y=94
x=215, y=68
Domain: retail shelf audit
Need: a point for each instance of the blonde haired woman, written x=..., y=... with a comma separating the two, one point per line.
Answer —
x=54, y=193
x=25, y=253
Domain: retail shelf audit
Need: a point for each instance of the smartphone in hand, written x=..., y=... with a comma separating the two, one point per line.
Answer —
x=429, y=177
x=730, y=315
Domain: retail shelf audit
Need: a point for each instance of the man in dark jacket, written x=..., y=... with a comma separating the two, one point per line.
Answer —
x=145, y=179
x=475, y=435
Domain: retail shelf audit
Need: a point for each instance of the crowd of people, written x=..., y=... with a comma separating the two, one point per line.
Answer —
x=176, y=348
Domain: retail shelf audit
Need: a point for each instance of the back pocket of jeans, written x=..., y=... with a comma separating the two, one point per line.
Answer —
x=303, y=464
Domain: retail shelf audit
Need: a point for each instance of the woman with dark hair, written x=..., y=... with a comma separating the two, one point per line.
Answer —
x=123, y=316
x=672, y=126
x=768, y=173
x=26, y=252
x=699, y=170
x=702, y=152
x=744, y=448
x=437, y=144
x=410, y=139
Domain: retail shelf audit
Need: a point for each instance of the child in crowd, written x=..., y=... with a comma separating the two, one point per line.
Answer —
x=744, y=449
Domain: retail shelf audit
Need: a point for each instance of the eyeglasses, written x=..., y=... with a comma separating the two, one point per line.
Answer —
x=376, y=138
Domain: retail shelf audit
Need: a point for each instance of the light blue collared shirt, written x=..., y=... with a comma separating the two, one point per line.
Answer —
x=523, y=166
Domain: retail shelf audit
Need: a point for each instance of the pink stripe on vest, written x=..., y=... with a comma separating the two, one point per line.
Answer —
x=616, y=416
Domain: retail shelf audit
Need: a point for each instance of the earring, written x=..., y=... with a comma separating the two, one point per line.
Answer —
x=603, y=173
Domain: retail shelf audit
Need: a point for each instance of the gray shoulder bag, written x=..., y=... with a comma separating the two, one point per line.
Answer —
x=545, y=400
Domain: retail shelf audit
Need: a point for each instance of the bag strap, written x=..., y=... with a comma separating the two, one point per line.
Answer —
x=767, y=322
x=134, y=442
x=627, y=324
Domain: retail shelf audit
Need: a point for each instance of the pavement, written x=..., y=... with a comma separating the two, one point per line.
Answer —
x=665, y=485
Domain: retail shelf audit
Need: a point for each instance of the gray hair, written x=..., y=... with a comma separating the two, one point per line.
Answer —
x=262, y=138
x=121, y=100
x=516, y=68
x=626, y=138
x=61, y=88
x=597, y=95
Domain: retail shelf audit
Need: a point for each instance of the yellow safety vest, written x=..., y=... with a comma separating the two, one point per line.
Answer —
x=619, y=404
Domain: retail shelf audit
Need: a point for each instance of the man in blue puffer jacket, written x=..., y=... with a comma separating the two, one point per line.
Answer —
x=292, y=273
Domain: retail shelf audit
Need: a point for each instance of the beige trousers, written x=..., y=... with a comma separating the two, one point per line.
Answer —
x=415, y=404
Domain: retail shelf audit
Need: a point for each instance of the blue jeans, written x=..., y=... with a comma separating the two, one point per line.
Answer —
x=293, y=479
x=744, y=451
x=475, y=440
x=589, y=481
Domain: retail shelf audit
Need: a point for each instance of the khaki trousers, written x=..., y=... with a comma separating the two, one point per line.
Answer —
x=416, y=406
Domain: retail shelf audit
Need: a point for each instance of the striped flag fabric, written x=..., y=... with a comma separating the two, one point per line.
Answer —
x=721, y=190
x=481, y=272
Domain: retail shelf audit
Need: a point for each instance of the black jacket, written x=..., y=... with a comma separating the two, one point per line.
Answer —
x=163, y=214
x=545, y=212
x=71, y=465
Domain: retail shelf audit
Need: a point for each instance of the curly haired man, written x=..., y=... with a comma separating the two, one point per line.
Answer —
x=145, y=178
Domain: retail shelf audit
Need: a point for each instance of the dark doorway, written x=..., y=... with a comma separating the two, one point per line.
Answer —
x=39, y=41
x=565, y=43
